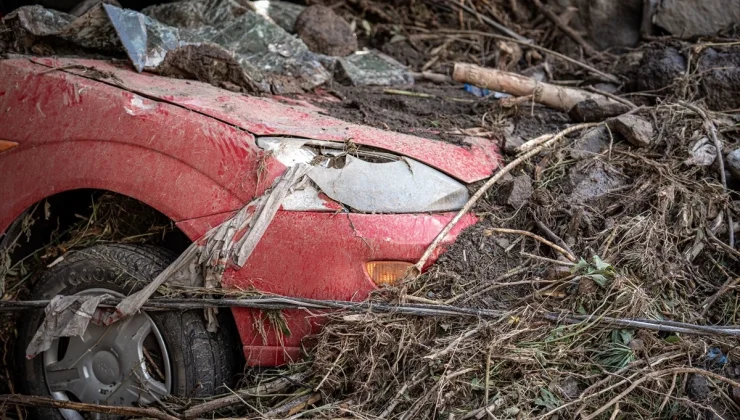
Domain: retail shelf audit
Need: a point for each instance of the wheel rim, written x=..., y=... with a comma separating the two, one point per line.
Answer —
x=125, y=363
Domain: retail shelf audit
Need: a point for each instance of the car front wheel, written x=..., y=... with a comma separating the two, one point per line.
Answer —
x=135, y=361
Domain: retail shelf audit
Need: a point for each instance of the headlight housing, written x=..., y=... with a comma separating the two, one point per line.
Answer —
x=365, y=180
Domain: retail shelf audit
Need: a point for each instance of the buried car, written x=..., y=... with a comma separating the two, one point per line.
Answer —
x=373, y=201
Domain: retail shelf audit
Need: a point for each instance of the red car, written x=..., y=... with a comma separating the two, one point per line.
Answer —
x=197, y=154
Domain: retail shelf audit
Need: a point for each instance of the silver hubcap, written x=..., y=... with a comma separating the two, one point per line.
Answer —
x=122, y=364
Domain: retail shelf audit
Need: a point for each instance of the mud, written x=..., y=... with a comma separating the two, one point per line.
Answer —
x=426, y=110
x=207, y=63
x=720, y=78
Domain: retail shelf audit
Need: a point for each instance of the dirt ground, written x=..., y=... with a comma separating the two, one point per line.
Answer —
x=646, y=227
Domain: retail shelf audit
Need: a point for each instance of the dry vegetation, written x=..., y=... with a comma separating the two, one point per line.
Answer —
x=648, y=229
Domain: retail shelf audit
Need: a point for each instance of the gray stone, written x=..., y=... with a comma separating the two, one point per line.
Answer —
x=636, y=130
x=516, y=192
x=592, y=142
x=733, y=163
x=698, y=387
x=592, y=180
x=325, y=32
x=688, y=18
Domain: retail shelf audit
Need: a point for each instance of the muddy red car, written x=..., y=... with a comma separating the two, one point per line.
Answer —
x=197, y=154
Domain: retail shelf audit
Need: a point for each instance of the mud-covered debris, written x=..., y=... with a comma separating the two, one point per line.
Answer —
x=720, y=81
x=367, y=68
x=325, y=32
x=592, y=142
x=701, y=153
x=698, y=387
x=283, y=13
x=736, y=395
x=611, y=23
x=567, y=387
x=733, y=163
x=636, y=130
x=591, y=110
x=207, y=63
x=592, y=180
x=657, y=68
x=688, y=18
x=516, y=192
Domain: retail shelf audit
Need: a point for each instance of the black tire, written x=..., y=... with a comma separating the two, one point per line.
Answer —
x=201, y=362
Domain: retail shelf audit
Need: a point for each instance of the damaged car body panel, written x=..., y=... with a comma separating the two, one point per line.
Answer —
x=197, y=154
x=472, y=161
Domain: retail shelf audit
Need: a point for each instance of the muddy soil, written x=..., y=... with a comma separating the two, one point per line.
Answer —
x=432, y=111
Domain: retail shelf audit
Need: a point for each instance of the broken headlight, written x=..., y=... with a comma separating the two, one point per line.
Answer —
x=366, y=181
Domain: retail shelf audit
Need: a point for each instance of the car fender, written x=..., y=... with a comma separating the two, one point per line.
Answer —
x=82, y=133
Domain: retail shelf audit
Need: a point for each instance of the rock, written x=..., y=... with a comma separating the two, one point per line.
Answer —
x=325, y=32
x=638, y=131
x=658, y=68
x=611, y=23
x=720, y=81
x=688, y=18
x=591, y=180
x=517, y=192
x=698, y=387
x=592, y=142
x=591, y=110
x=567, y=387
x=733, y=163
x=512, y=143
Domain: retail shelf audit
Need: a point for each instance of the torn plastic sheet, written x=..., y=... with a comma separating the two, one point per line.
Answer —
x=365, y=68
x=66, y=316
x=283, y=13
x=256, y=41
x=265, y=51
x=203, y=261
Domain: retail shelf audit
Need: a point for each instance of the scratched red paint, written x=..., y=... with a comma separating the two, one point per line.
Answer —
x=146, y=142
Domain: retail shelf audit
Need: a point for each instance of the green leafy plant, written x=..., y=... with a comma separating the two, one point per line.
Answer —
x=547, y=400
x=598, y=270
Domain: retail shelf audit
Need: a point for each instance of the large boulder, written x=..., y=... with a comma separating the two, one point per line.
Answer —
x=687, y=18
x=325, y=32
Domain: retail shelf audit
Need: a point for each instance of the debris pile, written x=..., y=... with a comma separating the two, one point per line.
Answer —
x=604, y=270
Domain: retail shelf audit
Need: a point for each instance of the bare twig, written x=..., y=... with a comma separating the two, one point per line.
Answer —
x=712, y=129
x=293, y=406
x=499, y=27
x=274, y=386
x=658, y=374
x=575, y=36
x=539, y=238
x=34, y=401
x=606, y=76
x=725, y=287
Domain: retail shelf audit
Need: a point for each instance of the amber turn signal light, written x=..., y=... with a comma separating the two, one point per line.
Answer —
x=7, y=145
x=387, y=272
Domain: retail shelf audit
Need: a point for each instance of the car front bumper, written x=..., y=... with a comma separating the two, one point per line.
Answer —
x=320, y=255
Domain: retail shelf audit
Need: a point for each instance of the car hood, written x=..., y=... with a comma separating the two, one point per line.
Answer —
x=472, y=161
